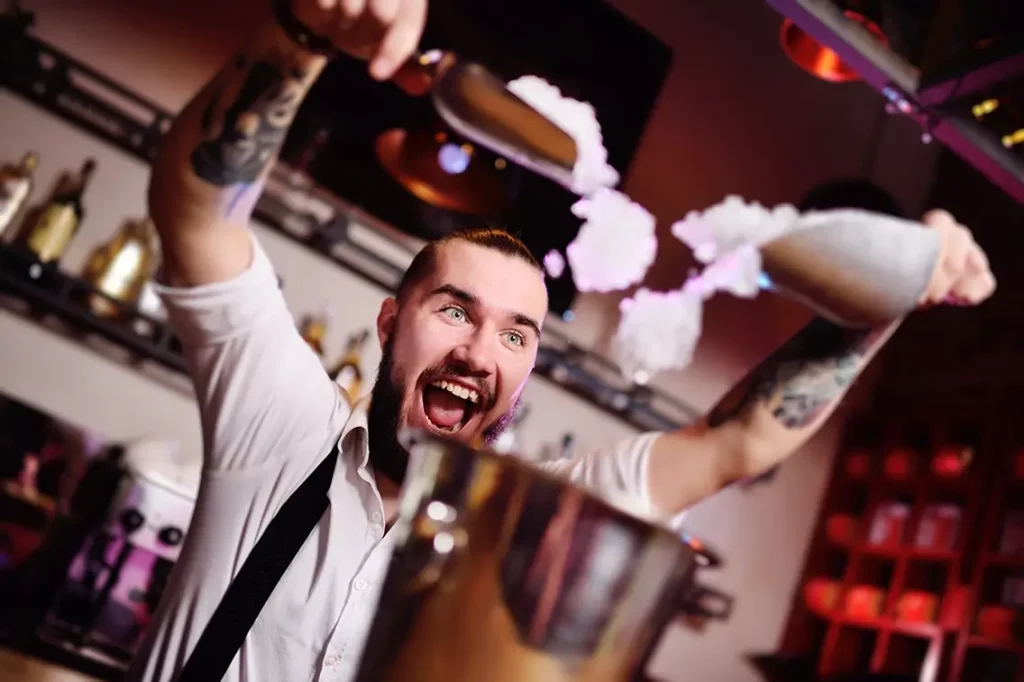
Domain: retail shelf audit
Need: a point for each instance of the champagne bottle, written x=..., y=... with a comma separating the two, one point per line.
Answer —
x=313, y=329
x=121, y=267
x=15, y=186
x=348, y=372
x=49, y=234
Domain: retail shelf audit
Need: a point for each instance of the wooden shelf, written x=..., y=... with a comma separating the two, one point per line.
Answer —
x=52, y=292
x=923, y=630
x=1011, y=647
x=907, y=552
x=1003, y=560
x=946, y=648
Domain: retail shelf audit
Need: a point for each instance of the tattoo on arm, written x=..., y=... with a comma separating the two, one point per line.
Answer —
x=805, y=377
x=241, y=136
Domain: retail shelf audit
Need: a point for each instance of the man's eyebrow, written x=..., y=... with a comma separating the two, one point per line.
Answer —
x=526, y=321
x=455, y=292
x=470, y=299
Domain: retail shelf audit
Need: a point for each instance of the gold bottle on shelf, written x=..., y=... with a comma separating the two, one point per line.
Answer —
x=348, y=372
x=49, y=230
x=121, y=267
x=15, y=186
x=313, y=329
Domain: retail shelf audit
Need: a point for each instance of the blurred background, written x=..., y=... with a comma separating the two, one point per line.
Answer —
x=892, y=544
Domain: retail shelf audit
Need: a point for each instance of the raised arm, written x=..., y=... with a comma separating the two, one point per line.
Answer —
x=262, y=392
x=782, y=402
x=214, y=160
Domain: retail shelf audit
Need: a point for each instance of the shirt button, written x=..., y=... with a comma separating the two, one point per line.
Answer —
x=377, y=517
x=361, y=585
x=332, y=661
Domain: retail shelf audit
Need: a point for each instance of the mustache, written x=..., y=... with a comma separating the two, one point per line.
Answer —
x=464, y=374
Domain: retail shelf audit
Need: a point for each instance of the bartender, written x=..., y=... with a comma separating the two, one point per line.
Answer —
x=459, y=341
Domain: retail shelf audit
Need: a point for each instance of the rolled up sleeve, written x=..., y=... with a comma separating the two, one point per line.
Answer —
x=262, y=392
x=617, y=472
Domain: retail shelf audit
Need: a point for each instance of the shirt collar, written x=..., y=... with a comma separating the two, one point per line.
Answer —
x=354, y=441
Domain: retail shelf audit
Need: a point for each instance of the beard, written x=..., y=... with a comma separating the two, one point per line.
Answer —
x=387, y=455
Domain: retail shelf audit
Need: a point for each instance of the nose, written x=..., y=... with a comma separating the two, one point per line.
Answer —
x=477, y=352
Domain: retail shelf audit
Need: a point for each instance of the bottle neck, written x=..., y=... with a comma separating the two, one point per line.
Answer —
x=83, y=179
x=314, y=331
x=349, y=360
x=138, y=229
x=28, y=165
x=354, y=350
x=74, y=189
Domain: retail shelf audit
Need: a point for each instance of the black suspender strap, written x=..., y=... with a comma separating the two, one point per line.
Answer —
x=263, y=568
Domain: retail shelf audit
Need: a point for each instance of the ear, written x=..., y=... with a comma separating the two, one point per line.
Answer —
x=386, y=318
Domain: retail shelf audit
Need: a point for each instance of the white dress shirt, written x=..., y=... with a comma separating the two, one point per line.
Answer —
x=269, y=415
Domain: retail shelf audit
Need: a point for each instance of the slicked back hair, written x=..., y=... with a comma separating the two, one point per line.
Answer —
x=488, y=237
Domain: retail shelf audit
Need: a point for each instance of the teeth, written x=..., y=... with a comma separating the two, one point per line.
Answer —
x=460, y=391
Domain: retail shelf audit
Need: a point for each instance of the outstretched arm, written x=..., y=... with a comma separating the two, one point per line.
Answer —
x=781, y=403
x=764, y=418
x=215, y=158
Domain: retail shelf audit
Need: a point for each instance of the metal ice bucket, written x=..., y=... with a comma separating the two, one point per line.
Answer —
x=502, y=572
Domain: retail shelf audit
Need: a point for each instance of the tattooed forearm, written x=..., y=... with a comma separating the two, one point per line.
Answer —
x=245, y=123
x=802, y=381
x=210, y=168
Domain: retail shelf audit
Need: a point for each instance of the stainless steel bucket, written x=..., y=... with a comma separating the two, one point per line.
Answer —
x=502, y=573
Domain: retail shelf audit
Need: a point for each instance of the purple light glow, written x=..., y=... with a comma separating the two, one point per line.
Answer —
x=452, y=159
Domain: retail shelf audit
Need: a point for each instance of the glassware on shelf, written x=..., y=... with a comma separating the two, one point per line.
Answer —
x=120, y=268
x=15, y=187
x=49, y=229
x=348, y=373
x=313, y=328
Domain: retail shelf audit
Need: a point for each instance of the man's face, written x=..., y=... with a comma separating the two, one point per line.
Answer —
x=457, y=351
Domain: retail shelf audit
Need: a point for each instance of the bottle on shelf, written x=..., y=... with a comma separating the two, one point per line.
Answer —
x=149, y=302
x=568, y=445
x=152, y=309
x=122, y=266
x=313, y=329
x=562, y=450
x=348, y=372
x=15, y=186
x=49, y=231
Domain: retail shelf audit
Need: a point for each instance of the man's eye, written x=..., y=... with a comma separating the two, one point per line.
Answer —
x=515, y=338
x=455, y=312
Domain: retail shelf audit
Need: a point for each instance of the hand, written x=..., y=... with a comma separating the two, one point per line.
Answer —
x=384, y=32
x=962, y=275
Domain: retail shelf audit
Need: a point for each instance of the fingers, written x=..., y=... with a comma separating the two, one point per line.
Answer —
x=384, y=12
x=977, y=282
x=349, y=12
x=963, y=275
x=943, y=278
x=959, y=245
x=955, y=250
x=977, y=261
x=975, y=290
x=402, y=37
x=939, y=218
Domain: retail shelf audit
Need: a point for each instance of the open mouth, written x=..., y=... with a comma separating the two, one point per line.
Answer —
x=449, y=406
